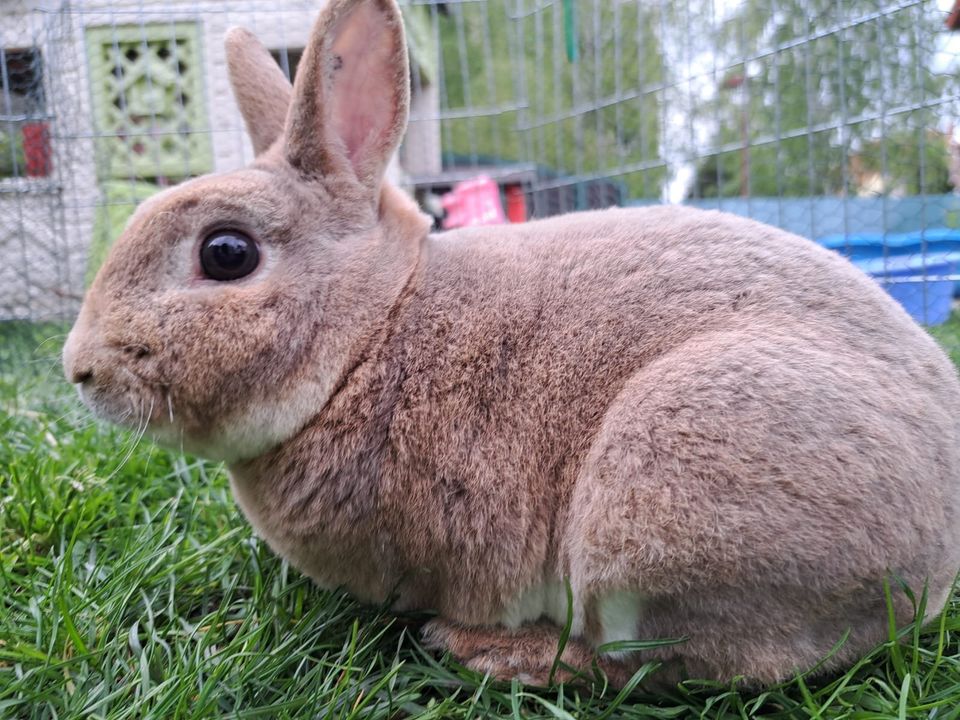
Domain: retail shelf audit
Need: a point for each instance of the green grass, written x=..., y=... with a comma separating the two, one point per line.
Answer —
x=949, y=336
x=131, y=587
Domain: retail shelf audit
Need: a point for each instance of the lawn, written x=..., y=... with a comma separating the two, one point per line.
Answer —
x=949, y=336
x=132, y=588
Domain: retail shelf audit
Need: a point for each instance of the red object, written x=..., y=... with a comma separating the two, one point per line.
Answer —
x=732, y=82
x=473, y=202
x=516, y=204
x=953, y=19
x=36, y=149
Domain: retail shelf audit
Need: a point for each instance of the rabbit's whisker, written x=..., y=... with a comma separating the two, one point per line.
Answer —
x=50, y=339
x=142, y=422
x=166, y=392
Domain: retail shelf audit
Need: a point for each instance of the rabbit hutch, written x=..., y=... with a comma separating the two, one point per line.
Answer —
x=836, y=121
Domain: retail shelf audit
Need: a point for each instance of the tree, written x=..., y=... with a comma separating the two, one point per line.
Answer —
x=815, y=93
x=588, y=113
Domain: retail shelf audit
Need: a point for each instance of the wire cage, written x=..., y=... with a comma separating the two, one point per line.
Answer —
x=834, y=120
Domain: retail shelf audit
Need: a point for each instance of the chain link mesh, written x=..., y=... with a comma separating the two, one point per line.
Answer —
x=835, y=120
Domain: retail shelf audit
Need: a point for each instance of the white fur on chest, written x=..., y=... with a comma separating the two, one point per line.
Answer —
x=548, y=599
x=618, y=613
x=265, y=424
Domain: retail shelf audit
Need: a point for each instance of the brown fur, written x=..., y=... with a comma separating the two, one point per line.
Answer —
x=721, y=419
x=529, y=653
x=260, y=87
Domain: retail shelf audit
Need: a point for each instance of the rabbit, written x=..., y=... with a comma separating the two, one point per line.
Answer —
x=633, y=424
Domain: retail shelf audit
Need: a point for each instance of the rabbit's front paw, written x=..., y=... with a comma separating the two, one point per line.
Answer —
x=527, y=653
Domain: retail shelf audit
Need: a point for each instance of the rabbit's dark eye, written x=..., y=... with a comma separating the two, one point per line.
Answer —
x=228, y=255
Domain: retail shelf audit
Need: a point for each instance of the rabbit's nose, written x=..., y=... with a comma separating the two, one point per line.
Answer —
x=77, y=365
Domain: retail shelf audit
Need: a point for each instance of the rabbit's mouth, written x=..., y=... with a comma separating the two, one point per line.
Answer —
x=154, y=410
x=130, y=401
x=148, y=407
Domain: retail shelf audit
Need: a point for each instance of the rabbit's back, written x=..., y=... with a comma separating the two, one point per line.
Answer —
x=663, y=274
x=618, y=288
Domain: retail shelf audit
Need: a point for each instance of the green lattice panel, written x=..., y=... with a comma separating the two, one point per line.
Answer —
x=147, y=85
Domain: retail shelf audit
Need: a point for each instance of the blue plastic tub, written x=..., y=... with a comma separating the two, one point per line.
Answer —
x=915, y=282
x=929, y=243
x=860, y=246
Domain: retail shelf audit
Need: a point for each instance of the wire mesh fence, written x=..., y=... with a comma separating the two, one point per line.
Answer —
x=835, y=120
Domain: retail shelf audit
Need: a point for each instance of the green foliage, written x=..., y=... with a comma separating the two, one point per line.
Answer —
x=948, y=335
x=486, y=53
x=12, y=159
x=132, y=588
x=786, y=105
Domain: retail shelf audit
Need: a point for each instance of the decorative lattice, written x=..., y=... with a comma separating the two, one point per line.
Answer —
x=148, y=100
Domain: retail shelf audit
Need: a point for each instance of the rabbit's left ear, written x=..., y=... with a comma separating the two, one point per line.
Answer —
x=261, y=89
x=351, y=94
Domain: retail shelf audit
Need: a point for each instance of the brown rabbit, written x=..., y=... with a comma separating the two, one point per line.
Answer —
x=711, y=429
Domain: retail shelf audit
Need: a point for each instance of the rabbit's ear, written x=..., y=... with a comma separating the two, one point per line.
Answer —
x=351, y=94
x=259, y=86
